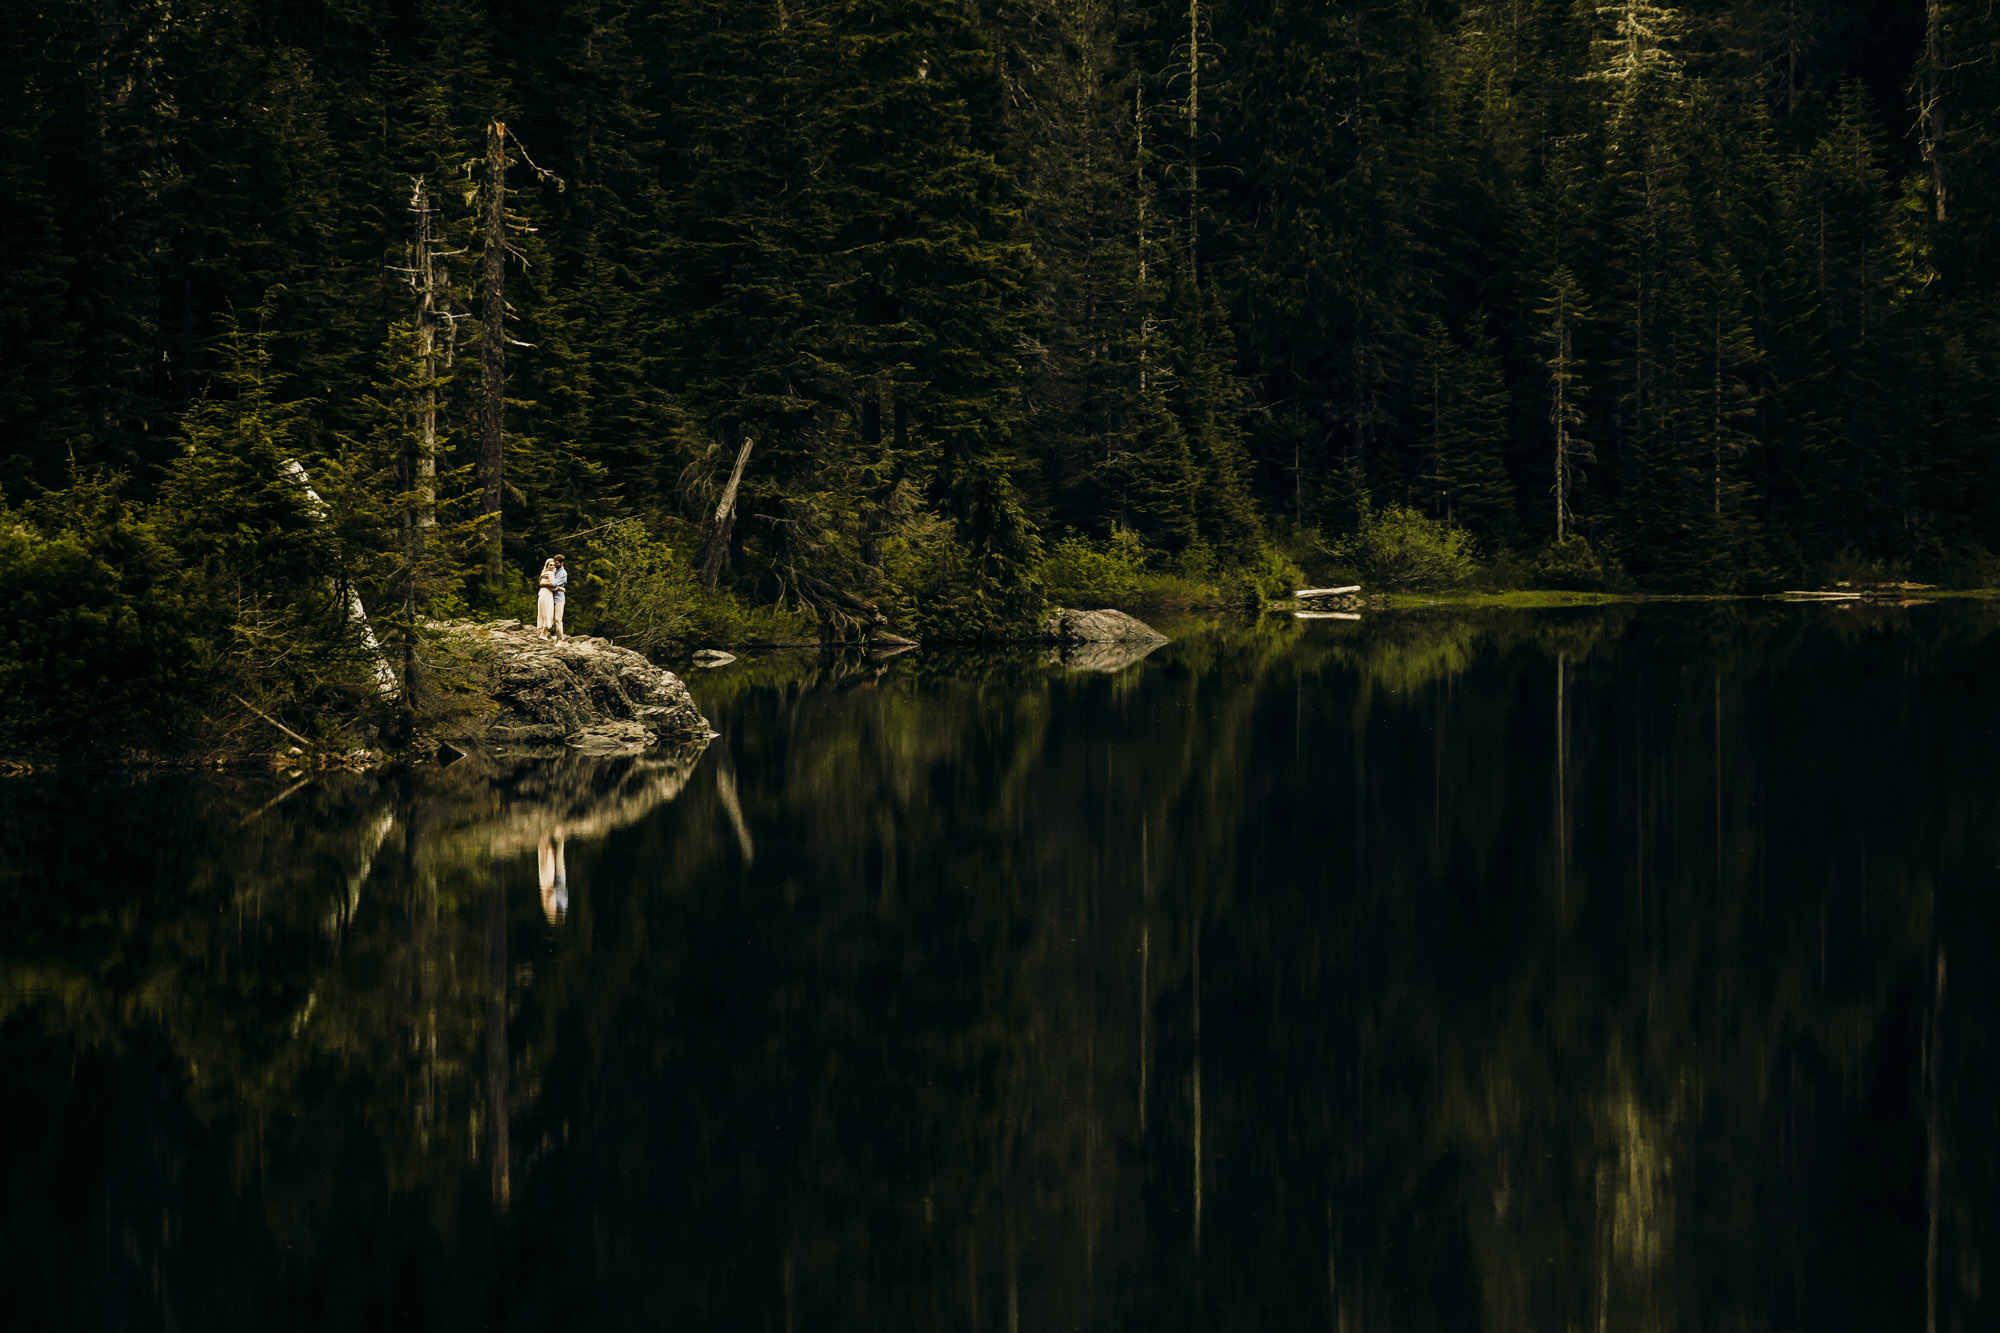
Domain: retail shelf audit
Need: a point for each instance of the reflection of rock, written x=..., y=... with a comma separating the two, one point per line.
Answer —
x=582, y=690
x=508, y=807
x=1101, y=627
x=620, y=736
x=712, y=657
x=1107, y=657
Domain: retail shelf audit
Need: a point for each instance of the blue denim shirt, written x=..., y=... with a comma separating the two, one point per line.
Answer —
x=558, y=579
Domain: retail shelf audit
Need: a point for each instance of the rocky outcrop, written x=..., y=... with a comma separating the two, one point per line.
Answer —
x=1102, y=641
x=1100, y=627
x=583, y=692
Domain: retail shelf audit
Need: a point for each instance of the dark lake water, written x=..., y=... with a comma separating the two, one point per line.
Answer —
x=1596, y=970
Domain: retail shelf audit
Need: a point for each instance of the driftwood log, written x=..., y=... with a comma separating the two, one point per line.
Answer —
x=1345, y=598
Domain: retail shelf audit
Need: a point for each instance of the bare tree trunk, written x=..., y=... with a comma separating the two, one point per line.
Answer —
x=1194, y=133
x=1717, y=476
x=715, y=544
x=421, y=468
x=1139, y=184
x=1561, y=417
x=493, y=349
x=427, y=277
x=1932, y=101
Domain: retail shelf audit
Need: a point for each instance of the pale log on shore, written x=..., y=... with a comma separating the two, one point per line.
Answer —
x=1310, y=594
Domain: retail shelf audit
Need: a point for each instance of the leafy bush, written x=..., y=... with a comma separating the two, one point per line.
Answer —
x=646, y=595
x=1397, y=547
x=1271, y=575
x=1080, y=573
x=1574, y=565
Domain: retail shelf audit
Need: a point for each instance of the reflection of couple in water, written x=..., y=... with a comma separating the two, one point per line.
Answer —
x=555, y=877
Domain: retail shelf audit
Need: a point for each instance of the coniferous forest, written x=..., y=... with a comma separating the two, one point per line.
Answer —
x=805, y=315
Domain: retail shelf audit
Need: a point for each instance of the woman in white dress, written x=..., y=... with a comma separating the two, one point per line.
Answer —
x=545, y=599
x=549, y=860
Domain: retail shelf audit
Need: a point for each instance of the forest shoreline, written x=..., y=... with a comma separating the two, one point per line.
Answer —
x=333, y=752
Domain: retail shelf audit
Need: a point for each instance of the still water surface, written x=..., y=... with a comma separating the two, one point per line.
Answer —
x=1535, y=971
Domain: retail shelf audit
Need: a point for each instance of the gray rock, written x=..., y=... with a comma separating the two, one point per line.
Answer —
x=582, y=690
x=1100, y=627
x=712, y=657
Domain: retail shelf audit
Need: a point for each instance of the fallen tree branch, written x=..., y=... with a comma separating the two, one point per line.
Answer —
x=272, y=720
x=841, y=597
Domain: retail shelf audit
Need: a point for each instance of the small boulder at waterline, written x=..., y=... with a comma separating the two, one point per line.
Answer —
x=1065, y=626
x=1101, y=641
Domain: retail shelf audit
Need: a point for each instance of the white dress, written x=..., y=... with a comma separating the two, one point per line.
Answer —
x=545, y=605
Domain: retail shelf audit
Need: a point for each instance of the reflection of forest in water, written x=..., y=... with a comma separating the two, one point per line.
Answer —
x=1567, y=970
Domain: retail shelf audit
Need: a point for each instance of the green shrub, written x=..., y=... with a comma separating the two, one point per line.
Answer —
x=1080, y=573
x=1397, y=547
x=1269, y=576
x=1574, y=565
x=646, y=596
x=98, y=644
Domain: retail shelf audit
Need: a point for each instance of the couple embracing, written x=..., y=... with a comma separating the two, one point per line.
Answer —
x=551, y=591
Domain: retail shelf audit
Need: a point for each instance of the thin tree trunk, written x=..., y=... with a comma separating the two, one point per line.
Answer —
x=1194, y=134
x=1933, y=101
x=1718, y=415
x=427, y=277
x=493, y=349
x=1139, y=184
x=422, y=466
x=1561, y=415
x=1441, y=498
x=715, y=545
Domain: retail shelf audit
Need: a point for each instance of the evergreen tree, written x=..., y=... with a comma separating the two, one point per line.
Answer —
x=1463, y=397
